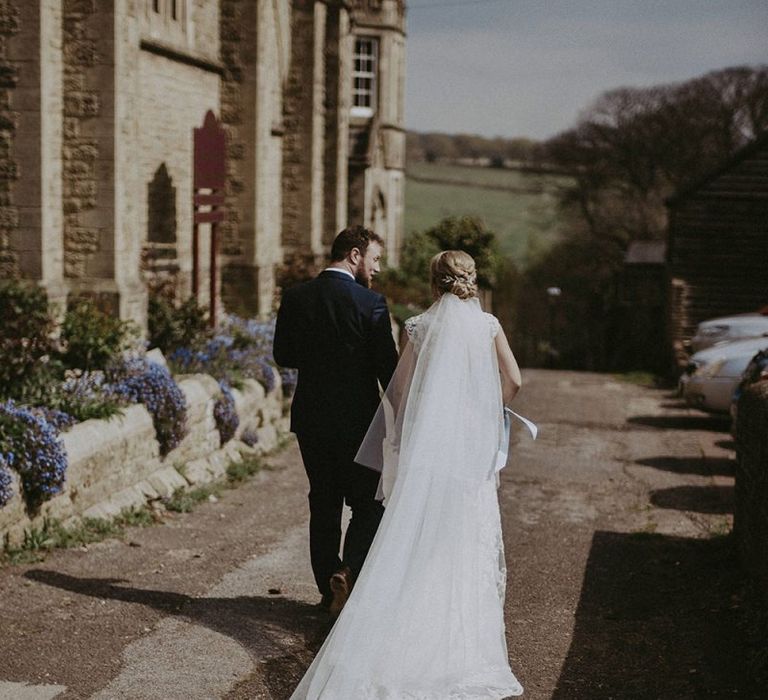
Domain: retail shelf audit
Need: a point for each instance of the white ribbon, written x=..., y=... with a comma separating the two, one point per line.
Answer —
x=503, y=453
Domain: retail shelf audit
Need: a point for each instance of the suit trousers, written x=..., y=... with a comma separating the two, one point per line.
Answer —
x=335, y=478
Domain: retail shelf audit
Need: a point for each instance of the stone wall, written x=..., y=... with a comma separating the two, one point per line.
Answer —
x=116, y=464
x=9, y=218
x=751, y=503
x=98, y=102
x=31, y=94
x=255, y=49
x=172, y=101
x=88, y=140
x=300, y=181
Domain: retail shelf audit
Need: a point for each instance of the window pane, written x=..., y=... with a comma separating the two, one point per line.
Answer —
x=364, y=73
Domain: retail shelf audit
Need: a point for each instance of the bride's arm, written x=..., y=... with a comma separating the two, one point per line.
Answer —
x=511, y=379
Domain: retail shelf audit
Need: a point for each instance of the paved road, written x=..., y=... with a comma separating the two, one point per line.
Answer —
x=620, y=583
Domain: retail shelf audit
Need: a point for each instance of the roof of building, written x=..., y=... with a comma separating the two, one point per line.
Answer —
x=743, y=154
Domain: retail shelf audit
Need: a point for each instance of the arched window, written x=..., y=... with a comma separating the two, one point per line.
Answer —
x=160, y=253
x=161, y=207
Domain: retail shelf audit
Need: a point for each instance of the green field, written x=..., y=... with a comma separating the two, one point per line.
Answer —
x=520, y=208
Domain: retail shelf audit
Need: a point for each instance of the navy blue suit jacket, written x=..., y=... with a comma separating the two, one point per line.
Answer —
x=337, y=333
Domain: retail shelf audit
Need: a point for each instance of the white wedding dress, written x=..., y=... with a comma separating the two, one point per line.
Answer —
x=425, y=620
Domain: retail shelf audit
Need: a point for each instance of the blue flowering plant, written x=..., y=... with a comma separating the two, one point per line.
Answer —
x=236, y=353
x=261, y=335
x=225, y=413
x=138, y=380
x=87, y=394
x=31, y=446
x=6, y=482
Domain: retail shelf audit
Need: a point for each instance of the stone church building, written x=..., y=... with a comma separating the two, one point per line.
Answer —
x=203, y=142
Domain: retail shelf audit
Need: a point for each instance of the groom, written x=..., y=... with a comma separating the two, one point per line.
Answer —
x=337, y=332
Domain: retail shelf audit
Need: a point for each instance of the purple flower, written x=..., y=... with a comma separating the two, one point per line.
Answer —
x=6, y=484
x=32, y=446
x=225, y=413
x=141, y=381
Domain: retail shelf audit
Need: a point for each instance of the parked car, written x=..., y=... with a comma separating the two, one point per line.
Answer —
x=729, y=328
x=756, y=371
x=713, y=374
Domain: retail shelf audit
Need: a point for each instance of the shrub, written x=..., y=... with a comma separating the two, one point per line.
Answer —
x=260, y=335
x=85, y=395
x=242, y=350
x=225, y=413
x=32, y=447
x=142, y=381
x=92, y=339
x=27, y=347
x=60, y=420
x=171, y=327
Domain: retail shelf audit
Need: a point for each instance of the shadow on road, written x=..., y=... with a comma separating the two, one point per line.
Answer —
x=717, y=423
x=266, y=626
x=727, y=444
x=696, y=499
x=658, y=617
x=706, y=466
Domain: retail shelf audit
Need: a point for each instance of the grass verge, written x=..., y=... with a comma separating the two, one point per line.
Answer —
x=53, y=534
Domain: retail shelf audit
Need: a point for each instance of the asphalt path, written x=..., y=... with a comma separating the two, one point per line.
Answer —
x=621, y=581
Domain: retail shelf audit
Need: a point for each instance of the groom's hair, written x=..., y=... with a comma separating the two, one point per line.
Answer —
x=353, y=237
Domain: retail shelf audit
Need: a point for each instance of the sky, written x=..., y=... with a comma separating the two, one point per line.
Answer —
x=529, y=67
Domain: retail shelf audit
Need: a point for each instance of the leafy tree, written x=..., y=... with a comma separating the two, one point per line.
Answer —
x=433, y=147
x=409, y=284
x=630, y=151
x=634, y=147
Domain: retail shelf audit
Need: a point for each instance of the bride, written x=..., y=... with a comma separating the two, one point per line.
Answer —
x=425, y=620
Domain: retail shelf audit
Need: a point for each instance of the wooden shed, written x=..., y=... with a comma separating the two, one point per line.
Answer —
x=718, y=244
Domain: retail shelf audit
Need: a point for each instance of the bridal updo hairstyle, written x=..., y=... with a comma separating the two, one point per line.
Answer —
x=454, y=271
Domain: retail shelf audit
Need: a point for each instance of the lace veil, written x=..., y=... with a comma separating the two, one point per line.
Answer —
x=441, y=414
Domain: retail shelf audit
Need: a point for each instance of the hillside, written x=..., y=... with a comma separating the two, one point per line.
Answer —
x=521, y=208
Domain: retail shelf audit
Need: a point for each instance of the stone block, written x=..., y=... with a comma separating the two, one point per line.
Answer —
x=156, y=355
x=268, y=438
x=58, y=508
x=104, y=437
x=196, y=471
x=148, y=491
x=234, y=451
x=102, y=511
x=218, y=463
x=166, y=481
x=127, y=498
